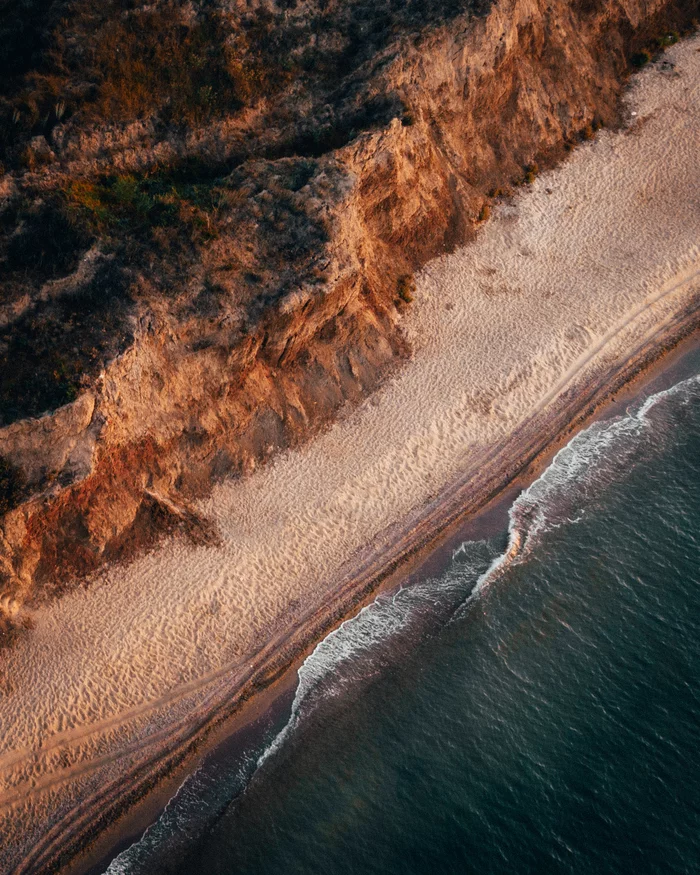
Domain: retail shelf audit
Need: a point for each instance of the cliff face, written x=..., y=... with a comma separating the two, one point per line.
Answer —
x=188, y=294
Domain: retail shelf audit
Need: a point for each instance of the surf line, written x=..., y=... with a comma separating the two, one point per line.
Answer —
x=531, y=514
x=579, y=461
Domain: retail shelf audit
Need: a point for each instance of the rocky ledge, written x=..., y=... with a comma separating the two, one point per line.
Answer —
x=210, y=214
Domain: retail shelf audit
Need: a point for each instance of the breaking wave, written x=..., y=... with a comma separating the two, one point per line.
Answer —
x=364, y=645
x=597, y=456
x=594, y=458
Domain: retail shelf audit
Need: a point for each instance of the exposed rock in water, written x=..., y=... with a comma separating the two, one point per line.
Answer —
x=207, y=248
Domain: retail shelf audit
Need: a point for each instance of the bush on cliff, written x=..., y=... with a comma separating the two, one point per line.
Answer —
x=406, y=287
x=12, y=485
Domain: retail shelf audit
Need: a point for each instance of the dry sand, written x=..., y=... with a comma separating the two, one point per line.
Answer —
x=583, y=269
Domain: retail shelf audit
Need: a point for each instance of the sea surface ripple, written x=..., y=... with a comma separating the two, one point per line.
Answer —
x=534, y=708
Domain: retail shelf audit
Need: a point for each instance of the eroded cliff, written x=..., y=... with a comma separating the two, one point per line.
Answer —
x=208, y=216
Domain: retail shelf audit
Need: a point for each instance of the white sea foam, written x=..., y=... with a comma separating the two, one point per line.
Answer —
x=354, y=642
x=193, y=808
x=357, y=649
x=355, y=646
x=599, y=454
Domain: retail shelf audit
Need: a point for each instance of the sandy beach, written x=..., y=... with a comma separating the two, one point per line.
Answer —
x=571, y=287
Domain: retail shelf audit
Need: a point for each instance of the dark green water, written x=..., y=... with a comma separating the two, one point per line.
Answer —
x=547, y=723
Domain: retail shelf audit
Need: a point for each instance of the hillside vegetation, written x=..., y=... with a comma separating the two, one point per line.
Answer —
x=210, y=214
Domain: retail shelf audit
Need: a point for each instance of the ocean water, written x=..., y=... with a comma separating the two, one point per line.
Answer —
x=534, y=708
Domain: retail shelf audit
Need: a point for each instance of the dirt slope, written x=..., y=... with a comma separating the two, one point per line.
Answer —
x=207, y=236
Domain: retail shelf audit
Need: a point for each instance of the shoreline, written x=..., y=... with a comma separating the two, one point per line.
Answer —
x=279, y=661
x=580, y=374
x=264, y=706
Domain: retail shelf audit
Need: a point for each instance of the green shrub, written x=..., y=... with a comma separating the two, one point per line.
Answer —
x=484, y=212
x=640, y=59
x=138, y=204
x=531, y=172
x=667, y=39
x=406, y=287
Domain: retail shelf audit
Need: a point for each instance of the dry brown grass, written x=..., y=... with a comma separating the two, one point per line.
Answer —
x=120, y=62
x=151, y=61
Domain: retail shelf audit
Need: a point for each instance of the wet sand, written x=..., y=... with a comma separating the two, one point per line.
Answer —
x=251, y=725
x=568, y=292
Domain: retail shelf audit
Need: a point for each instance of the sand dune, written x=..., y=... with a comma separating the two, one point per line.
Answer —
x=581, y=268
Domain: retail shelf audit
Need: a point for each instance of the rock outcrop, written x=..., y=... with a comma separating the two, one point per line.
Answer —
x=185, y=297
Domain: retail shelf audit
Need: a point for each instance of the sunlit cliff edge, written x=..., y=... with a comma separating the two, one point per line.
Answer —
x=208, y=221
